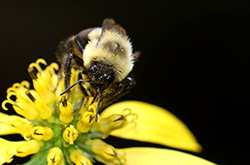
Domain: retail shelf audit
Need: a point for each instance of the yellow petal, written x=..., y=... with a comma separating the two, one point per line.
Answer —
x=11, y=124
x=27, y=148
x=155, y=125
x=19, y=148
x=4, y=146
x=157, y=156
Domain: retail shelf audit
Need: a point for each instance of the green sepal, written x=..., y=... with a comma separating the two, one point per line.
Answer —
x=39, y=158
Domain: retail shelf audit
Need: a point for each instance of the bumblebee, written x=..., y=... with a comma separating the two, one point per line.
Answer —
x=104, y=55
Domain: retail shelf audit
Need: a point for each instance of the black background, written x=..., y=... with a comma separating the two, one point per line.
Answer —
x=195, y=59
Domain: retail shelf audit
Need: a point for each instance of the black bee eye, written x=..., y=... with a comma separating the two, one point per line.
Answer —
x=93, y=68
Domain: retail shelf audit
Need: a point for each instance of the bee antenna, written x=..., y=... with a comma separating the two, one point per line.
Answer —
x=79, y=81
x=98, y=103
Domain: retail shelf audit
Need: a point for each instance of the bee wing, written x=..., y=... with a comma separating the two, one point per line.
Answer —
x=109, y=23
x=73, y=44
x=136, y=55
x=83, y=35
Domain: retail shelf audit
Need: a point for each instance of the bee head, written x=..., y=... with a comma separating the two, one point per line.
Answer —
x=101, y=75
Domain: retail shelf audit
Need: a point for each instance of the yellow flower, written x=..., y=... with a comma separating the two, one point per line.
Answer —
x=55, y=156
x=77, y=156
x=60, y=131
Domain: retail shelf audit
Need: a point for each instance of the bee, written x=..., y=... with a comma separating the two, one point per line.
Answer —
x=104, y=55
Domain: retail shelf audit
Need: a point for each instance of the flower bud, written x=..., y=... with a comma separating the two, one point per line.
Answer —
x=42, y=133
x=87, y=120
x=78, y=157
x=27, y=148
x=55, y=156
x=70, y=134
x=107, y=154
x=66, y=111
x=116, y=121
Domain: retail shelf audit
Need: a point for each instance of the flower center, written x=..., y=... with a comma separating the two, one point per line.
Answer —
x=65, y=127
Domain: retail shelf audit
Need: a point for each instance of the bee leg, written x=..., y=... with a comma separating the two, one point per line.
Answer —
x=67, y=69
x=124, y=86
x=84, y=92
x=98, y=104
x=128, y=83
x=117, y=90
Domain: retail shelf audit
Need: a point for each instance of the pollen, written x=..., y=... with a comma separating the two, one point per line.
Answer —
x=107, y=31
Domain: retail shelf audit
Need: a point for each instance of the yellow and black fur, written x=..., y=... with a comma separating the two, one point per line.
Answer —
x=104, y=54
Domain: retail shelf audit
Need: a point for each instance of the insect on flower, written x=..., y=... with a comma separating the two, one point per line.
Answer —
x=104, y=56
x=62, y=131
